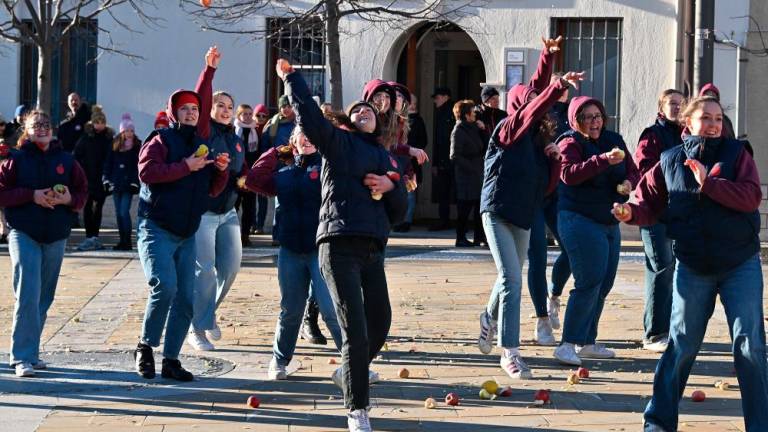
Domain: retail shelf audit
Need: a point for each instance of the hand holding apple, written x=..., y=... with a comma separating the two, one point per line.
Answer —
x=622, y=212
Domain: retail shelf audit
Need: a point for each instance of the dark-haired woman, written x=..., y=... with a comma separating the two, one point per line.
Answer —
x=466, y=154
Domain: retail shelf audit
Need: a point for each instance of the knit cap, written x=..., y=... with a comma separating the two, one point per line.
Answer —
x=97, y=115
x=126, y=123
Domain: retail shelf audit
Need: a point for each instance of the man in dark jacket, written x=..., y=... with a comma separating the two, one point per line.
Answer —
x=442, y=174
x=71, y=128
x=488, y=112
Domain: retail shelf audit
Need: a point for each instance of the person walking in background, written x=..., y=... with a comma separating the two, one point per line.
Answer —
x=596, y=172
x=708, y=190
x=442, y=172
x=662, y=135
x=40, y=186
x=91, y=152
x=546, y=298
x=177, y=178
x=121, y=178
x=246, y=130
x=467, y=152
x=73, y=126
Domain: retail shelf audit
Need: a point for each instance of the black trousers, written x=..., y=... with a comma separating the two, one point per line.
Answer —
x=92, y=215
x=246, y=200
x=349, y=264
x=463, y=209
x=443, y=192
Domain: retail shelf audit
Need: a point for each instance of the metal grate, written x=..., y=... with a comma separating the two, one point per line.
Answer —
x=593, y=45
x=301, y=43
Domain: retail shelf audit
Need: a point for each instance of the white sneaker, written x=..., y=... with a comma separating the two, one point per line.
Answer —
x=337, y=378
x=658, y=346
x=199, y=342
x=487, y=333
x=276, y=371
x=597, y=351
x=40, y=365
x=358, y=421
x=373, y=377
x=566, y=354
x=25, y=370
x=543, y=335
x=515, y=367
x=214, y=333
x=553, y=310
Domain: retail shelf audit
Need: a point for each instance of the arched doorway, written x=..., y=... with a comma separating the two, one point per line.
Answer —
x=430, y=55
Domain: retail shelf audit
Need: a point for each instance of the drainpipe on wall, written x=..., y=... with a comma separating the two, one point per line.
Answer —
x=685, y=35
x=703, y=59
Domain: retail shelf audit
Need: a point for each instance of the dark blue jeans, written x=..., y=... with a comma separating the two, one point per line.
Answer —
x=123, y=212
x=593, y=250
x=659, y=268
x=693, y=301
x=545, y=217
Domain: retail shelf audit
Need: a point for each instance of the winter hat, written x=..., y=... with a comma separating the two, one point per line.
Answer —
x=97, y=114
x=402, y=89
x=127, y=123
x=283, y=101
x=488, y=92
x=161, y=120
x=261, y=109
x=375, y=86
x=19, y=111
x=710, y=87
x=352, y=106
x=575, y=106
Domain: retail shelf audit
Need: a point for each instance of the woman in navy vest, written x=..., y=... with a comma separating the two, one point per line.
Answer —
x=297, y=186
x=362, y=196
x=662, y=135
x=41, y=185
x=708, y=191
x=520, y=170
x=177, y=179
x=595, y=173
x=219, y=249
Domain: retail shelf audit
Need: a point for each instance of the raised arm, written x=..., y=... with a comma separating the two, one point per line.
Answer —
x=204, y=88
x=540, y=79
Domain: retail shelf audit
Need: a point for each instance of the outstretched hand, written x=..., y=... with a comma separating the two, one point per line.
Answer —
x=213, y=57
x=283, y=68
x=573, y=78
x=552, y=45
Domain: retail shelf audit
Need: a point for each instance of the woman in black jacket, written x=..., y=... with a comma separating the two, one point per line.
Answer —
x=121, y=177
x=362, y=195
x=467, y=153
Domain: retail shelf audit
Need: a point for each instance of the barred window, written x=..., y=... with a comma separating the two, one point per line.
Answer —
x=303, y=44
x=593, y=45
x=73, y=69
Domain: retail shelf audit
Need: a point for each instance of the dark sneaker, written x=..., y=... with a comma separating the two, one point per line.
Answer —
x=311, y=333
x=145, y=361
x=172, y=369
x=464, y=243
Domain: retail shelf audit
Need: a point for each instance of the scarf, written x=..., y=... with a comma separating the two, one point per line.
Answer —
x=276, y=121
x=253, y=135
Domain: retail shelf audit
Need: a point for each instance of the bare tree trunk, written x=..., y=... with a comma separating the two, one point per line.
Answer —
x=44, y=78
x=334, y=53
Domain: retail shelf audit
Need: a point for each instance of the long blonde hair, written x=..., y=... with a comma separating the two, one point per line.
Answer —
x=119, y=140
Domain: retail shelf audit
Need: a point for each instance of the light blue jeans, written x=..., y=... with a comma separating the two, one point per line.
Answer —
x=219, y=253
x=169, y=266
x=295, y=271
x=508, y=244
x=693, y=301
x=36, y=269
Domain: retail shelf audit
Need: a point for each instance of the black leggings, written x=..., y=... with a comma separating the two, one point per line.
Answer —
x=463, y=209
x=349, y=264
x=92, y=215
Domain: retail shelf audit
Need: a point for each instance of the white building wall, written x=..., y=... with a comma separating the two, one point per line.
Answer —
x=9, y=76
x=729, y=27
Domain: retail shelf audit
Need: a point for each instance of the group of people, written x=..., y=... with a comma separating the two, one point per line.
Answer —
x=343, y=180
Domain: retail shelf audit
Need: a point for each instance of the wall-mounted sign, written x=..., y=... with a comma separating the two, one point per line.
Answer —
x=514, y=66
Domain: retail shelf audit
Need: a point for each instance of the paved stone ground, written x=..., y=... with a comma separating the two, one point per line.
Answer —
x=437, y=293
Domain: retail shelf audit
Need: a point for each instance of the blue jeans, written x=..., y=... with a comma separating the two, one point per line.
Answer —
x=36, y=269
x=593, y=250
x=545, y=216
x=123, y=211
x=262, y=204
x=295, y=271
x=169, y=266
x=508, y=244
x=411, y=207
x=219, y=253
x=659, y=268
x=693, y=300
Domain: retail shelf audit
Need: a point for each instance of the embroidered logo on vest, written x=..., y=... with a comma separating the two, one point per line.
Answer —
x=60, y=169
x=238, y=148
x=313, y=175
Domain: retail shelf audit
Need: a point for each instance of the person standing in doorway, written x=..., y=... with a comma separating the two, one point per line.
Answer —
x=467, y=151
x=442, y=171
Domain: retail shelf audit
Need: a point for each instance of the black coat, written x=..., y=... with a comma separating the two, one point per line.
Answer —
x=467, y=151
x=491, y=117
x=348, y=156
x=72, y=127
x=91, y=152
x=121, y=169
x=441, y=145
x=417, y=137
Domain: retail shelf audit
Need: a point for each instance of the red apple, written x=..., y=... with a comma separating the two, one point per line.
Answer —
x=583, y=372
x=542, y=395
x=505, y=392
x=253, y=401
x=222, y=158
x=205, y=3
x=403, y=373
x=452, y=399
x=698, y=396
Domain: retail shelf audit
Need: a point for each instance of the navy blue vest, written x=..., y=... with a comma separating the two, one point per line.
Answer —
x=515, y=178
x=36, y=169
x=177, y=206
x=224, y=140
x=708, y=237
x=594, y=197
x=298, y=189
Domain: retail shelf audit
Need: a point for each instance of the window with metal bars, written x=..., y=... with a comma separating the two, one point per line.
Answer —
x=73, y=69
x=301, y=43
x=593, y=45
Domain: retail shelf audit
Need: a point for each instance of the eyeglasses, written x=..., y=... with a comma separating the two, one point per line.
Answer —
x=46, y=126
x=261, y=116
x=591, y=118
